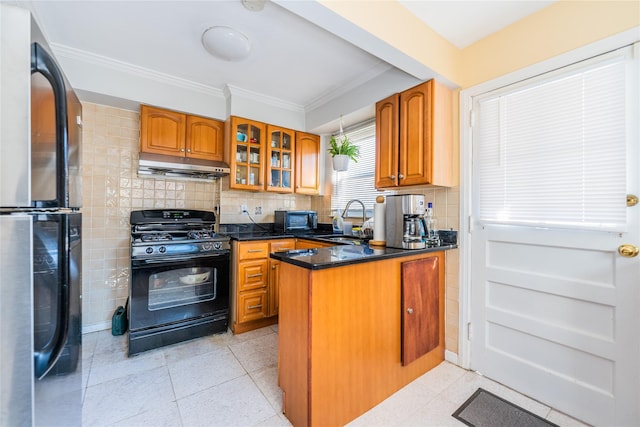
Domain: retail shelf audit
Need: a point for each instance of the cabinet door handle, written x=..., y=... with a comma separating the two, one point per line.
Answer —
x=182, y=150
x=273, y=267
x=410, y=310
x=255, y=275
x=253, y=251
x=400, y=176
x=393, y=177
x=251, y=307
x=189, y=150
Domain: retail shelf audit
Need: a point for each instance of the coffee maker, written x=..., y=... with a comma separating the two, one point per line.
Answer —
x=404, y=221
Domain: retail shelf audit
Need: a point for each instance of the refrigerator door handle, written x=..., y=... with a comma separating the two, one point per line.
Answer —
x=46, y=358
x=43, y=63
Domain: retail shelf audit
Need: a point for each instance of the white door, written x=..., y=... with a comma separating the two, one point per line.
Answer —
x=554, y=307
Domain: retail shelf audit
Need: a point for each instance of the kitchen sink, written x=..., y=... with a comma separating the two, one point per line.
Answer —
x=350, y=240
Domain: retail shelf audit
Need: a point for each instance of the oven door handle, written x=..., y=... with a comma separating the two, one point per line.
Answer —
x=139, y=262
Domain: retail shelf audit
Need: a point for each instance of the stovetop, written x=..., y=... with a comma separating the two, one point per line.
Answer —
x=158, y=233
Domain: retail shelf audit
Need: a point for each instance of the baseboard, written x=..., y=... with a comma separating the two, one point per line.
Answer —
x=450, y=356
x=96, y=327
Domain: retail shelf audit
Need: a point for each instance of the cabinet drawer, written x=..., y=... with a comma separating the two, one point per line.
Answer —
x=283, y=245
x=253, y=250
x=252, y=275
x=252, y=305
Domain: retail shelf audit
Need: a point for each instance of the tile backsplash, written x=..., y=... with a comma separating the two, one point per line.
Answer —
x=112, y=188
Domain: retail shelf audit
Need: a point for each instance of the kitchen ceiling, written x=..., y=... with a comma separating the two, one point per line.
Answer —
x=291, y=58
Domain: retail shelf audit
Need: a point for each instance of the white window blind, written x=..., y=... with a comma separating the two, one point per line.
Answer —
x=552, y=152
x=359, y=181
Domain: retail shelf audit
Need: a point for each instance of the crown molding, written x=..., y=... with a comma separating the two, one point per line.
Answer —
x=231, y=91
x=64, y=51
x=363, y=78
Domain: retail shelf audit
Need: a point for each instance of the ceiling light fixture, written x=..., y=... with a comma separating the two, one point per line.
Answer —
x=226, y=43
x=253, y=5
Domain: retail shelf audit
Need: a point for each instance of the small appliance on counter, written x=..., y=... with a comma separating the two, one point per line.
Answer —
x=404, y=226
x=295, y=221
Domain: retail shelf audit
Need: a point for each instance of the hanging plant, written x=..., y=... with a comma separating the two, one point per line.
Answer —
x=343, y=146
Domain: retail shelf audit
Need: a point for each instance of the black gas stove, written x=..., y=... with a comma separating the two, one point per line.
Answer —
x=168, y=233
x=179, y=278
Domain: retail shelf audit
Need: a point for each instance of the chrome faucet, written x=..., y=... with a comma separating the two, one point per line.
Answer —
x=346, y=209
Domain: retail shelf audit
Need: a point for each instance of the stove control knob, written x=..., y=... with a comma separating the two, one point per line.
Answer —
x=149, y=250
x=207, y=246
x=217, y=245
x=162, y=249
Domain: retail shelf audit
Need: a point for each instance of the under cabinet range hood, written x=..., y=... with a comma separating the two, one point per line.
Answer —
x=181, y=167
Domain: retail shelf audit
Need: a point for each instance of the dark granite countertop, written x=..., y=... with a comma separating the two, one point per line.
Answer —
x=315, y=259
x=269, y=235
x=346, y=254
x=266, y=231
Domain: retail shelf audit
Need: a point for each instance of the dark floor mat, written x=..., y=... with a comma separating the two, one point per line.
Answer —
x=484, y=409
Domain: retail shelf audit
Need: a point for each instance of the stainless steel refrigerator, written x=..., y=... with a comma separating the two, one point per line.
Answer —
x=40, y=232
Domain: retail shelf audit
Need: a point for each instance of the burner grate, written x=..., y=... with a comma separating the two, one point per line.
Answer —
x=156, y=237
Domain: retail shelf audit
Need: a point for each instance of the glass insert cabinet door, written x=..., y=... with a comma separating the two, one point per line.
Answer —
x=247, y=167
x=280, y=161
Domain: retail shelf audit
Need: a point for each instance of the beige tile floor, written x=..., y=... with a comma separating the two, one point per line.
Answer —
x=231, y=380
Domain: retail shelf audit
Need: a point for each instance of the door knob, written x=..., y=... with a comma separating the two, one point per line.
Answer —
x=410, y=310
x=628, y=251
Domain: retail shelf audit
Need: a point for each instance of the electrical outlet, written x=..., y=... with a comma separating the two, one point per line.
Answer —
x=258, y=210
x=244, y=209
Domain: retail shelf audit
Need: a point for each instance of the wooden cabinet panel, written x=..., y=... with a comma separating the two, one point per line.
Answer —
x=415, y=160
x=274, y=271
x=272, y=158
x=245, y=152
x=253, y=305
x=274, y=287
x=414, y=144
x=387, y=131
x=280, y=159
x=420, y=308
x=177, y=134
x=307, y=164
x=253, y=250
x=253, y=275
x=256, y=286
x=205, y=138
x=162, y=131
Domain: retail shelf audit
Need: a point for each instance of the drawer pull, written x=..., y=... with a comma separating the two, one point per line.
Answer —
x=253, y=251
x=251, y=307
x=255, y=275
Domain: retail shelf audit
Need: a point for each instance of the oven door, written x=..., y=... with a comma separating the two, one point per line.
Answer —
x=166, y=291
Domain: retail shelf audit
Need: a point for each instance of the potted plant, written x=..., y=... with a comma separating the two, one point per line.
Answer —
x=342, y=149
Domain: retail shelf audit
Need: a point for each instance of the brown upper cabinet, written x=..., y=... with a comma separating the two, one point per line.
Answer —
x=247, y=147
x=307, y=164
x=280, y=159
x=414, y=144
x=178, y=134
x=272, y=158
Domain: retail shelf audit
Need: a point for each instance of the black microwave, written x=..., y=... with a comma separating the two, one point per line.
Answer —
x=291, y=221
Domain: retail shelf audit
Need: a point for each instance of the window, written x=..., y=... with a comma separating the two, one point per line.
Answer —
x=359, y=181
x=552, y=151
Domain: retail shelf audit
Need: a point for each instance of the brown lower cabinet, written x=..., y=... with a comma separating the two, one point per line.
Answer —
x=254, y=284
x=340, y=337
